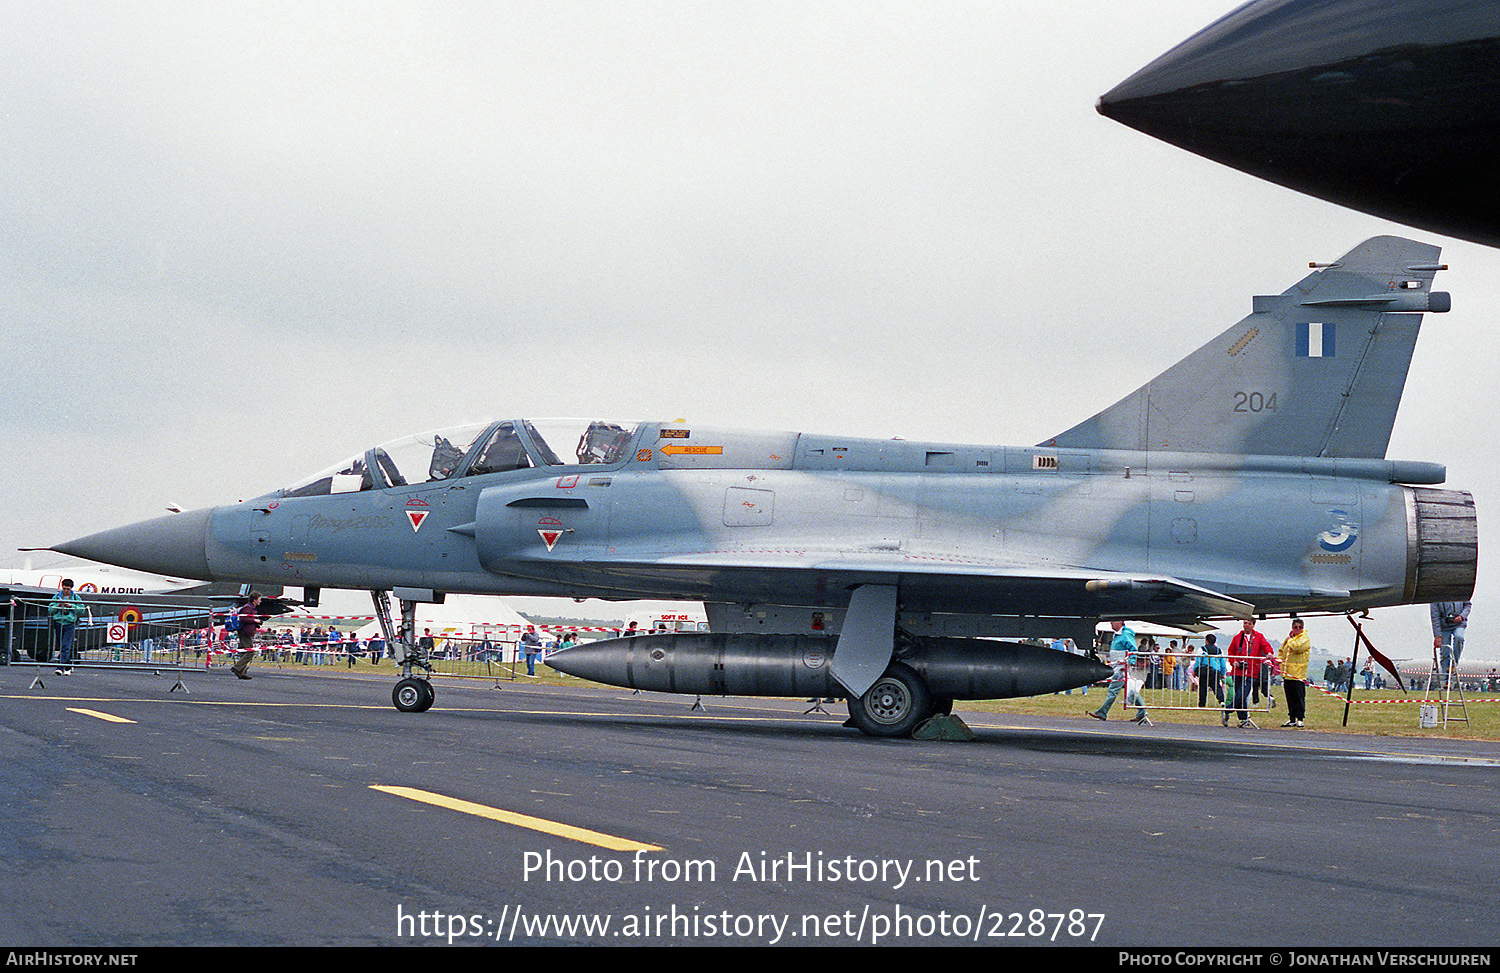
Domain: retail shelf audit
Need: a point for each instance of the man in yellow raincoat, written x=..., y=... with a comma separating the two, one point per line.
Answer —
x=1293, y=654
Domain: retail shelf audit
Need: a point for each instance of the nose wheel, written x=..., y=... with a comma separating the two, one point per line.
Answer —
x=413, y=695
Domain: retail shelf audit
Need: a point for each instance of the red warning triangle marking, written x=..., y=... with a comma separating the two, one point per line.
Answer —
x=550, y=537
x=416, y=517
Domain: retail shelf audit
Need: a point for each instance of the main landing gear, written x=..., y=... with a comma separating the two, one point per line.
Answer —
x=414, y=693
x=895, y=705
x=898, y=703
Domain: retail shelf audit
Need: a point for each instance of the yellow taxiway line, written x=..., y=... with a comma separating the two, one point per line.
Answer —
x=519, y=820
x=107, y=717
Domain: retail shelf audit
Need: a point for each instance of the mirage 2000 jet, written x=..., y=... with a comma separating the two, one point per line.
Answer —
x=1248, y=478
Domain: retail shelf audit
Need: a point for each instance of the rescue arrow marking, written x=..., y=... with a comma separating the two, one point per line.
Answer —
x=672, y=450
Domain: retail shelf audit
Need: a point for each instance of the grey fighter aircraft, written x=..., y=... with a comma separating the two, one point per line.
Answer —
x=1248, y=478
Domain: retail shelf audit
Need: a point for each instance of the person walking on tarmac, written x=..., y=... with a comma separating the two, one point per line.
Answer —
x=1294, y=654
x=249, y=616
x=1122, y=651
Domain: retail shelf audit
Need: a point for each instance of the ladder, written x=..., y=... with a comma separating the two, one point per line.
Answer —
x=1454, y=687
x=1451, y=685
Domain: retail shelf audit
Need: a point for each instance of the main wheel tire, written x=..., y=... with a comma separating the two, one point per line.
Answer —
x=411, y=695
x=894, y=706
x=429, y=696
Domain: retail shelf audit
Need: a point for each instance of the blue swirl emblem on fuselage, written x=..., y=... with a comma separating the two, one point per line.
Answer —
x=1342, y=536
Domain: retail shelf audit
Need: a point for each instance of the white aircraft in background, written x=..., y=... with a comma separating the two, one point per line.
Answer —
x=98, y=579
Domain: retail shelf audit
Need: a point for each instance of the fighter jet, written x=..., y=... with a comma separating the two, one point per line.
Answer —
x=1247, y=478
x=1391, y=107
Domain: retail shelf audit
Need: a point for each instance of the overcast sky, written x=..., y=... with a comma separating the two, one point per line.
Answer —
x=241, y=242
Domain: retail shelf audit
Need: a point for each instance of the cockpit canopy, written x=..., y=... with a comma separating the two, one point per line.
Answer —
x=472, y=450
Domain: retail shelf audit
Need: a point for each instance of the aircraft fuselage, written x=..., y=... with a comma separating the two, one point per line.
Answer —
x=963, y=527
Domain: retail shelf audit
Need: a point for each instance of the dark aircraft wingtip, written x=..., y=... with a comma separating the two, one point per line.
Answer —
x=1139, y=99
x=1384, y=107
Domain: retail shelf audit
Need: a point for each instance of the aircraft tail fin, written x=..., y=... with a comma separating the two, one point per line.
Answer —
x=1317, y=370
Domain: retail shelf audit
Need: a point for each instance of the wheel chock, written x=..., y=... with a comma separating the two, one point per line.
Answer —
x=943, y=727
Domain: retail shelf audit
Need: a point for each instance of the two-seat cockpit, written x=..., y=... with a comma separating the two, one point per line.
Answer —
x=473, y=450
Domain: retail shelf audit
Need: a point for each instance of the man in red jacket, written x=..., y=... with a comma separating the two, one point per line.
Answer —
x=249, y=615
x=1247, y=653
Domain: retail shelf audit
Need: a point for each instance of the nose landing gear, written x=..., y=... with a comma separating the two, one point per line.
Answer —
x=414, y=693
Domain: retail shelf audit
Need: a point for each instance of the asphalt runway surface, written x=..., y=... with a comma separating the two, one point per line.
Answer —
x=300, y=808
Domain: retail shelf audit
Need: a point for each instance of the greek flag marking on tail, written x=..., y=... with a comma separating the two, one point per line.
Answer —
x=1314, y=340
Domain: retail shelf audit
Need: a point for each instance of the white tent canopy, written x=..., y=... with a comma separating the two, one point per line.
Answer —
x=1162, y=631
x=461, y=617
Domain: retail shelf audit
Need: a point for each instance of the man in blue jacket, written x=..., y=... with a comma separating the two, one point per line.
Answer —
x=1450, y=620
x=65, y=609
x=1122, y=652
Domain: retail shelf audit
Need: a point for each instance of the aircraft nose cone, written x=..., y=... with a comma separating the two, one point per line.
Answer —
x=174, y=545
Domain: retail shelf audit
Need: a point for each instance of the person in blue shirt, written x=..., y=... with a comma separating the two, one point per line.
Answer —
x=1211, y=669
x=65, y=609
x=1450, y=622
x=1122, y=651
